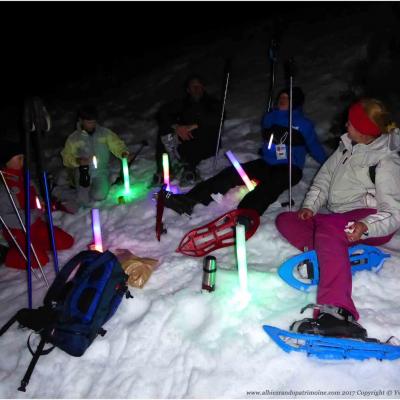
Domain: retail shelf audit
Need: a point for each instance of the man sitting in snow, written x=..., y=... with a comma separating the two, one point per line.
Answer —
x=272, y=170
x=188, y=130
x=87, y=154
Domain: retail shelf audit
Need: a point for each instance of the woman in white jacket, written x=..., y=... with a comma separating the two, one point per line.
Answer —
x=359, y=185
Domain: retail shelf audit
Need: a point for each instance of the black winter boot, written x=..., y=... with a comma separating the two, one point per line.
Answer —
x=331, y=321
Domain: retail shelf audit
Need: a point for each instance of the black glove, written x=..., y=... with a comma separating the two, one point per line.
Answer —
x=84, y=177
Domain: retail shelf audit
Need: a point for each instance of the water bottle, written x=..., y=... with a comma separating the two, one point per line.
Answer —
x=209, y=272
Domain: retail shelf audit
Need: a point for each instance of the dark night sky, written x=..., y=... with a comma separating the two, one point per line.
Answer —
x=47, y=44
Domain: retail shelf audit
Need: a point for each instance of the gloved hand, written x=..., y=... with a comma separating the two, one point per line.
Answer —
x=84, y=177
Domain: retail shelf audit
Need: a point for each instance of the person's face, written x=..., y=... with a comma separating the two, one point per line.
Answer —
x=356, y=136
x=195, y=89
x=88, y=125
x=16, y=162
x=283, y=102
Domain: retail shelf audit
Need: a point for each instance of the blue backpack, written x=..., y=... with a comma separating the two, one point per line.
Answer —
x=83, y=297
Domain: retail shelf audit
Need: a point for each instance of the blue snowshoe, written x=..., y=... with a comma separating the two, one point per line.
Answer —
x=334, y=334
x=331, y=348
x=301, y=271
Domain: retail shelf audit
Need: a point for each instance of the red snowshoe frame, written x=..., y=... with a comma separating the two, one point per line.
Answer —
x=217, y=234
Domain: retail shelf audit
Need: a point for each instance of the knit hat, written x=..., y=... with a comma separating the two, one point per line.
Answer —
x=361, y=121
x=298, y=96
x=8, y=150
x=88, y=112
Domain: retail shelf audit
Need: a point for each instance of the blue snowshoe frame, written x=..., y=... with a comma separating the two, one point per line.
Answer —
x=332, y=348
x=362, y=257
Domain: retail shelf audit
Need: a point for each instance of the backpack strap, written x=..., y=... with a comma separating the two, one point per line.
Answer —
x=4, y=329
x=65, y=272
x=32, y=364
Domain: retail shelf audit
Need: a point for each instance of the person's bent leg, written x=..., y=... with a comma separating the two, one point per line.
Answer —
x=220, y=183
x=299, y=233
x=331, y=245
x=14, y=259
x=40, y=233
x=273, y=182
x=100, y=186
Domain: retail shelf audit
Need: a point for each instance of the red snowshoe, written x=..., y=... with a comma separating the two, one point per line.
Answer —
x=218, y=233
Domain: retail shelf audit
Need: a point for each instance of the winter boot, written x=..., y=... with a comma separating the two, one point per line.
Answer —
x=331, y=321
x=189, y=177
x=180, y=203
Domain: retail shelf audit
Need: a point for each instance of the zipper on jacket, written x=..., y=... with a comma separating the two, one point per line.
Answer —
x=335, y=172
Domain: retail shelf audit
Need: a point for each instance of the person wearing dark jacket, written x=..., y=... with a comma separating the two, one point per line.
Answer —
x=188, y=129
x=272, y=170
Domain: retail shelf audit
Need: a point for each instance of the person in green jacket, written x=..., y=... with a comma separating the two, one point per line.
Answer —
x=87, y=154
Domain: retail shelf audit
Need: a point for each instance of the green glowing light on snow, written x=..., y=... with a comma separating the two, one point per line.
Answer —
x=244, y=296
x=139, y=190
x=125, y=170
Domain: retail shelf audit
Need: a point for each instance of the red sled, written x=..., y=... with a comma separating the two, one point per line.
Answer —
x=217, y=234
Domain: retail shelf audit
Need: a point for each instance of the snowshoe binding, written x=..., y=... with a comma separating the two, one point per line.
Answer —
x=331, y=321
x=333, y=335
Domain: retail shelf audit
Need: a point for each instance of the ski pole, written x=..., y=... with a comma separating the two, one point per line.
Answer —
x=16, y=243
x=41, y=121
x=23, y=227
x=273, y=58
x=290, y=73
x=28, y=125
x=221, y=122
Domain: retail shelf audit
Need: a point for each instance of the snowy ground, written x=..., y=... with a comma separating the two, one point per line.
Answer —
x=172, y=340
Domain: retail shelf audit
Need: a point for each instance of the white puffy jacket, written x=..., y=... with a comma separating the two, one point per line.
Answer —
x=343, y=183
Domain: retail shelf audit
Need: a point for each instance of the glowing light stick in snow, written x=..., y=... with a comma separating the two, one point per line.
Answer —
x=98, y=243
x=165, y=164
x=95, y=161
x=125, y=170
x=242, y=262
x=240, y=170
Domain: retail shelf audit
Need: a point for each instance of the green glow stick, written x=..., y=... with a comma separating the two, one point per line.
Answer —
x=241, y=258
x=125, y=170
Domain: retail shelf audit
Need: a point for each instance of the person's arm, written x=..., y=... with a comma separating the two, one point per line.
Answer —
x=387, y=184
x=168, y=115
x=116, y=145
x=267, y=121
x=313, y=144
x=69, y=154
x=317, y=195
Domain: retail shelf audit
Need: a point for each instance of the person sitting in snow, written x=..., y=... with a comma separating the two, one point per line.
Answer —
x=188, y=131
x=87, y=154
x=360, y=187
x=272, y=170
x=11, y=164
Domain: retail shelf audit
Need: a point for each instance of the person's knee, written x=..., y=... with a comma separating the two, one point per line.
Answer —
x=63, y=239
x=285, y=219
x=99, y=189
x=99, y=195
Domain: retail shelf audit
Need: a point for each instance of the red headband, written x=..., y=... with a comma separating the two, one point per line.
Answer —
x=360, y=120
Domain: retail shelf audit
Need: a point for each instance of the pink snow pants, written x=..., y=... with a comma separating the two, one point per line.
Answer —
x=325, y=234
